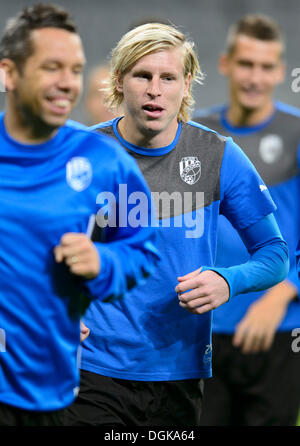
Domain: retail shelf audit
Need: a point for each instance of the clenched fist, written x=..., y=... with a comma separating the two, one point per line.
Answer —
x=80, y=254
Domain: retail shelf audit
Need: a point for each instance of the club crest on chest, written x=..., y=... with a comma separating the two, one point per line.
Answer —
x=190, y=169
x=79, y=173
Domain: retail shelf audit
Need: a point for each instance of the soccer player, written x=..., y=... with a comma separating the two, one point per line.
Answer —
x=145, y=357
x=51, y=174
x=256, y=373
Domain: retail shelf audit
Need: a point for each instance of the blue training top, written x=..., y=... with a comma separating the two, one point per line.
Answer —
x=47, y=190
x=148, y=336
x=273, y=147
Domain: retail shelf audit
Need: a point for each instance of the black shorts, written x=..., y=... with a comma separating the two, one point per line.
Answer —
x=260, y=389
x=105, y=401
x=13, y=416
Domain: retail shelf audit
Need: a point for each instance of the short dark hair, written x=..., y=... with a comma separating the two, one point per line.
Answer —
x=16, y=42
x=258, y=26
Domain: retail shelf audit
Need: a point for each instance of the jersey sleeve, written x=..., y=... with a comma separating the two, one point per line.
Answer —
x=246, y=202
x=245, y=199
x=294, y=273
x=127, y=245
x=269, y=261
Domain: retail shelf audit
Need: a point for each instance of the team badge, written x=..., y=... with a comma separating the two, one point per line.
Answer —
x=271, y=148
x=79, y=173
x=190, y=169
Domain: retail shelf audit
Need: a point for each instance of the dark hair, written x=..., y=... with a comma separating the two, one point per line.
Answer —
x=258, y=26
x=16, y=43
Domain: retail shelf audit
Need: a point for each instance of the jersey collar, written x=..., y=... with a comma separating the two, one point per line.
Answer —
x=143, y=150
x=243, y=131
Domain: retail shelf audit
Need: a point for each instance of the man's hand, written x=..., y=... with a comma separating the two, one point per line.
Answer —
x=84, y=331
x=257, y=329
x=207, y=290
x=79, y=253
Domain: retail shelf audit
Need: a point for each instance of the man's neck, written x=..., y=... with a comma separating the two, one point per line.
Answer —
x=242, y=117
x=147, y=139
x=27, y=133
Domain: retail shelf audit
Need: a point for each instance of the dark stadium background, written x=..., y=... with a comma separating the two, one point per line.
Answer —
x=103, y=22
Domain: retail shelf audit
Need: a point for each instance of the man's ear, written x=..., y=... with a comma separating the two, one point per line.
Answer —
x=8, y=74
x=187, y=83
x=223, y=64
x=119, y=82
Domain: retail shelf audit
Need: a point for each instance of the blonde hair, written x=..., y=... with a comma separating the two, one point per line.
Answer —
x=146, y=39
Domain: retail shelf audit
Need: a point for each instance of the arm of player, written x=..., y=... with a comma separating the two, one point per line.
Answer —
x=267, y=266
x=127, y=253
x=80, y=254
x=199, y=292
x=256, y=331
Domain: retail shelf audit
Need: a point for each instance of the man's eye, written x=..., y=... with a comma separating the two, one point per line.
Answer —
x=78, y=71
x=245, y=64
x=268, y=67
x=50, y=67
x=168, y=78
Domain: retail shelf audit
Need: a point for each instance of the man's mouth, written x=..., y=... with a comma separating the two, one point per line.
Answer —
x=153, y=110
x=252, y=92
x=59, y=105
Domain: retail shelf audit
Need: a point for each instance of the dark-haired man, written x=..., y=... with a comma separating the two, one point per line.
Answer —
x=51, y=174
x=256, y=373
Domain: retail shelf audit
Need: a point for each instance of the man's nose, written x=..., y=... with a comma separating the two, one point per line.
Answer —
x=154, y=87
x=257, y=74
x=68, y=80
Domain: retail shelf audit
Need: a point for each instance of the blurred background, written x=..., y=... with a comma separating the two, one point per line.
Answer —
x=103, y=22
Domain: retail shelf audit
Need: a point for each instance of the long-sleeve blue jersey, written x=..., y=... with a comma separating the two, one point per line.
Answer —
x=148, y=336
x=273, y=147
x=47, y=190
